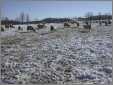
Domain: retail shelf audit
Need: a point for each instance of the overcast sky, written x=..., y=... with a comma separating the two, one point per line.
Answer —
x=44, y=9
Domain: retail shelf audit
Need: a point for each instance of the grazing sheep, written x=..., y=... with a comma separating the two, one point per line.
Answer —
x=40, y=26
x=11, y=26
x=31, y=28
x=86, y=23
x=103, y=21
x=109, y=22
x=106, y=24
x=77, y=24
x=100, y=23
x=51, y=28
x=19, y=28
x=87, y=26
x=7, y=26
x=96, y=21
x=72, y=22
x=66, y=25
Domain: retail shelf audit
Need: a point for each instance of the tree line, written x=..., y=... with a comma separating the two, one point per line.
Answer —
x=25, y=19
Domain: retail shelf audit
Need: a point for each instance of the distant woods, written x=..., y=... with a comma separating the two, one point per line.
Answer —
x=24, y=18
x=21, y=19
x=89, y=18
x=98, y=18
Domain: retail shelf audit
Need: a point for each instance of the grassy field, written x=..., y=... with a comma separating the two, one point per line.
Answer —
x=66, y=55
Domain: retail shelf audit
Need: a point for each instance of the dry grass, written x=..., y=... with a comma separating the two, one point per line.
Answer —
x=10, y=40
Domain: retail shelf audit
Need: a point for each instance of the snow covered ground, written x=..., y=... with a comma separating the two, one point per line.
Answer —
x=65, y=55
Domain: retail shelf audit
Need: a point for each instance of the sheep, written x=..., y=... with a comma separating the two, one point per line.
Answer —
x=7, y=26
x=66, y=25
x=87, y=26
x=109, y=22
x=51, y=28
x=31, y=28
x=11, y=26
x=77, y=24
x=40, y=26
x=106, y=24
x=100, y=23
x=19, y=28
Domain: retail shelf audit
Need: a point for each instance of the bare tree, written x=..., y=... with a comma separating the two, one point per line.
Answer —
x=100, y=18
x=108, y=17
x=89, y=16
x=27, y=17
x=17, y=19
x=6, y=18
x=22, y=17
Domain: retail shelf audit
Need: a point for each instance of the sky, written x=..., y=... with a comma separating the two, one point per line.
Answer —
x=45, y=9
